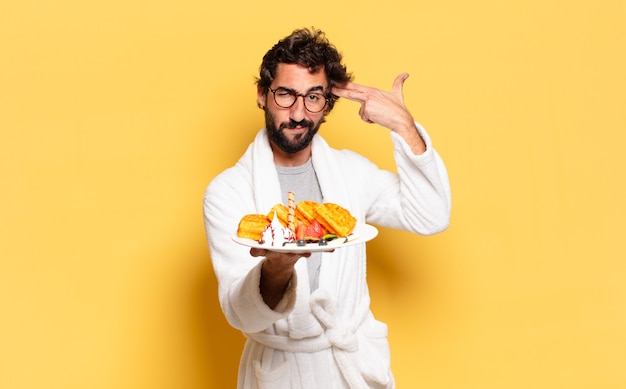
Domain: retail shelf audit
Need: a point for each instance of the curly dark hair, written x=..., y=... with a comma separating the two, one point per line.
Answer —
x=309, y=48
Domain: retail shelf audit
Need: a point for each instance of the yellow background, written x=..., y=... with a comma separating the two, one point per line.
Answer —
x=115, y=115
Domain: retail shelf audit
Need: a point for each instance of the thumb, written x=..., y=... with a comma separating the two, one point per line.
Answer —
x=398, y=84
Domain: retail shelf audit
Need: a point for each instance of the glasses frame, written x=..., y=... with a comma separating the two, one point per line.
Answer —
x=296, y=95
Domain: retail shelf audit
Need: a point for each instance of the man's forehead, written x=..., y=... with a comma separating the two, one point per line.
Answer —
x=299, y=77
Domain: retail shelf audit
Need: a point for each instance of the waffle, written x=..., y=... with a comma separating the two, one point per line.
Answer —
x=252, y=226
x=305, y=211
x=282, y=212
x=335, y=219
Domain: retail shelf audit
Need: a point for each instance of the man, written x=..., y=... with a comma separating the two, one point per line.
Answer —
x=306, y=317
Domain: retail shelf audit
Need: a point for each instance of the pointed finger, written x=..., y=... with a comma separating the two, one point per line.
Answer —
x=353, y=86
x=350, y=93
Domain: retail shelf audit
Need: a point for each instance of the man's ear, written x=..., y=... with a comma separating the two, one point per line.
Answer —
x=261, y=97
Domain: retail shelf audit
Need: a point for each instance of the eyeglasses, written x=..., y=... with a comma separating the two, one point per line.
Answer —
x=314, y=102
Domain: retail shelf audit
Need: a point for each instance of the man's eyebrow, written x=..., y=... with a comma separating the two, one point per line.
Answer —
x=311, y=89
x=316, y=88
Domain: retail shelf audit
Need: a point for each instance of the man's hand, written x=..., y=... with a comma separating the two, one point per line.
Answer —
x=276, y=273
x=385, y=108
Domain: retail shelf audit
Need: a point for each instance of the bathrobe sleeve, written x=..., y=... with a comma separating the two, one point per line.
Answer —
x=226, y=200
x=416, y=198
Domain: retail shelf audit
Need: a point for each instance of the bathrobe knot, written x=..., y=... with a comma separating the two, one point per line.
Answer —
x=325, y=310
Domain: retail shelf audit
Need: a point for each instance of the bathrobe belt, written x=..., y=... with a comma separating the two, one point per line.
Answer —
x=343, y=342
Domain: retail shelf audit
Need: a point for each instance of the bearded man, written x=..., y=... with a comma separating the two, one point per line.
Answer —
x=306, y=316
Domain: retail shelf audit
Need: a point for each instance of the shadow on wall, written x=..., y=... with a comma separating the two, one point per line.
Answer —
x=216, y=344
x=387, y=266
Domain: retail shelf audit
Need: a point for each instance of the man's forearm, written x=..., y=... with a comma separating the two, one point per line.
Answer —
x=274, y=284
x=413, y=139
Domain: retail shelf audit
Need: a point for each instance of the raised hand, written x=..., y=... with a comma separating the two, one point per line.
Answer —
x=385, y=108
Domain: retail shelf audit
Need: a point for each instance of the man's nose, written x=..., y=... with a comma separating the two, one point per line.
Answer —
x=298, y=111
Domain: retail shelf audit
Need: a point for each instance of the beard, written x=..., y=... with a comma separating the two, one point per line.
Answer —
x=299, y=142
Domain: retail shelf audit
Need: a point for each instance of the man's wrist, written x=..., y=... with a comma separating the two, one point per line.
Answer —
x=412, y=137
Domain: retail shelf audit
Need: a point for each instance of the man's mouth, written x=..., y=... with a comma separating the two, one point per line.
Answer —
x=298, y=126
x=296, y=130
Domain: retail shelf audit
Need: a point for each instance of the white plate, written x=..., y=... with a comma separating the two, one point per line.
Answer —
x=361, y=234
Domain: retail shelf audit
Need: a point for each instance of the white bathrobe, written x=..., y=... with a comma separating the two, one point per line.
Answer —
x=329, y=338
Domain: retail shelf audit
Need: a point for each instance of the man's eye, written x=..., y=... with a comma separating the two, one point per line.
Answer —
x=282, y=92
x=314, y=97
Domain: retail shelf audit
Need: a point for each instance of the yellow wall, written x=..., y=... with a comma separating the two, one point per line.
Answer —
x=115, y=115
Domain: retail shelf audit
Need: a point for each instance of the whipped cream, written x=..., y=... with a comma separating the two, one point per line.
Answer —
x=275, y=234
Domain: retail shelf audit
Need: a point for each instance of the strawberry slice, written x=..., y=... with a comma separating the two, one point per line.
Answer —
x=314, y=230
x=301, y=231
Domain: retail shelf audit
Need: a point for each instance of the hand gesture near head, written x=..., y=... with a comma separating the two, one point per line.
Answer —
x=385, y=108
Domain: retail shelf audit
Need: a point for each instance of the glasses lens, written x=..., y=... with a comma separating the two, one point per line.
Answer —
x=314, y=102
x=284, y=98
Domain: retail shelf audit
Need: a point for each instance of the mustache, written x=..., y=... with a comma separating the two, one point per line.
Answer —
x=293, y=124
